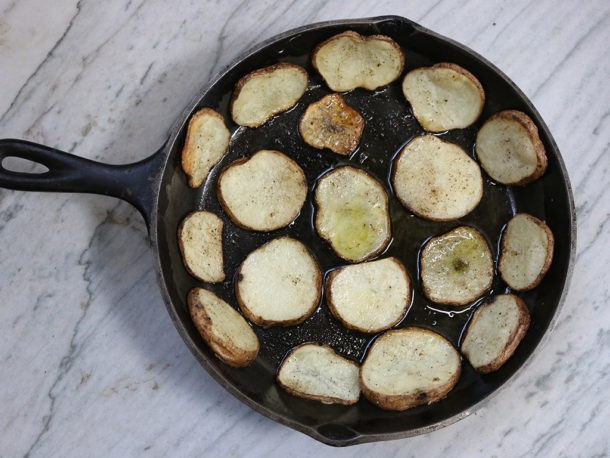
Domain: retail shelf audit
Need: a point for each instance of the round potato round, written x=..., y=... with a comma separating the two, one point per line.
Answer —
x=510, y=150
x=526, y=252
x=444, y=96
x=436, y=179
x=349, y=60
x=200, y=243
x=207, y=140
x=331, y=123
x=226, y=332
x=316, y=371
x=456, y=267
x=352, y=213
x=371, y=296
x=495, y=331
x=268, y=91
x=264, y=192
x=408, y=367
x=279, y=283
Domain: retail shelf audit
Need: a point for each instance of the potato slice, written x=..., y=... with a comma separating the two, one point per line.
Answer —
x=268, y=91
x=279, y=283
x=352, y=213
x=456, y=267
x=200, y=242
x=510, y=150
x=408, y=367
x=436, y=179
x=207, y=140
x=264, y=192
x=316, y=372
x=369, y=297
x=444, y=96
x=226, y=332
x=349, y=60
x=526, y=253
x=331, y=123
x=495, y=331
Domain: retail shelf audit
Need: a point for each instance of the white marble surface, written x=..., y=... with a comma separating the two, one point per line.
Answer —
x=90, y=363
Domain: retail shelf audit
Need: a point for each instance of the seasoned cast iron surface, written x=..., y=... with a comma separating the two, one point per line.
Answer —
x=389, y=125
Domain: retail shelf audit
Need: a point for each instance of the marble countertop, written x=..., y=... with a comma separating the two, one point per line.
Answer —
x=90, y=363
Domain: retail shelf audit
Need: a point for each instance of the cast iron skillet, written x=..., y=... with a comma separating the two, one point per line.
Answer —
x=157, y=187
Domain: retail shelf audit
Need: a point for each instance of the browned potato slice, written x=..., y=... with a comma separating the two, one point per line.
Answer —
x=444, y=96
x=456, y=267
x=495, y=331
x=349, y=60
x=371, y=296
x=510, y=150
x=527, y=252
x=408, y=367
x=316, y=372
x=207, y=140
x=200, y=242
x=279, y=283
x=264, y=192
x=268, y=91
x=436, y=179
x=223, y=328
x=352, y=213
x=331, y=123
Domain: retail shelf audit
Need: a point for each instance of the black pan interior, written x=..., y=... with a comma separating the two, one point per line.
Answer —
x=389, y=125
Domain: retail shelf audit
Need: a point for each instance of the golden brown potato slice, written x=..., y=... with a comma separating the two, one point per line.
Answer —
x=371, y=296
x=510, y=150
x=444, y=96
x=456, y=267
x=408, y=367
x=495, y=331
x=200, y=242
x=263, y=192
x=279, y=283
x=207, y=140
x=352, y=213
x=436, y=179
x=331, y=123
x=226, y=332
x=315, y=371
x=526, y=253
x=349, y=60
x=268, y=91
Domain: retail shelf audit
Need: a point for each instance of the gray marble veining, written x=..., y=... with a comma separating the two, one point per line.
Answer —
x=90, y=364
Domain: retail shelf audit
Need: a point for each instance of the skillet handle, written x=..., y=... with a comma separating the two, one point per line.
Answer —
x=134, y=183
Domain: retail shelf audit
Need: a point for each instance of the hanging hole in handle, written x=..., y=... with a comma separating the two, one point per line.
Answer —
x=21, y=165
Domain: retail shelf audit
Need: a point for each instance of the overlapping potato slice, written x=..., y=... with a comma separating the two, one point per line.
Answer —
x=526, y=253
x=510, y=150
x=456, y=267
x=316, y=371
x=444, y=96
x=436, y=179
x=408, y=367
x=371, y=296
x=349, y=60
x=226, y=332
x=268, y=91
x=207, y=140
x=263, y=192
x=200, y=242
x=352, y=213
x=279, y=283
x=495, y=331
x=331, y=123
